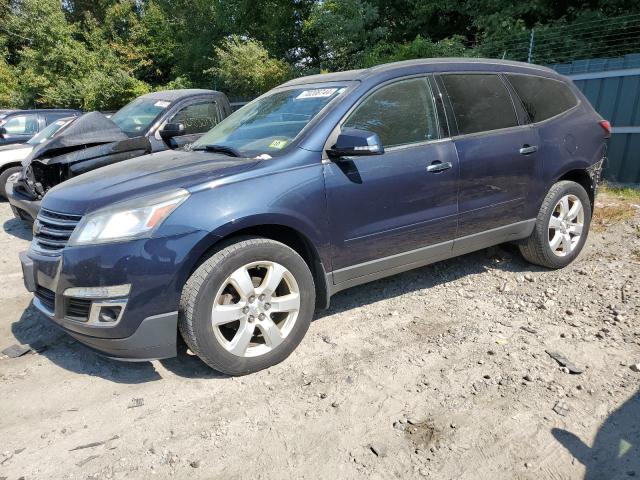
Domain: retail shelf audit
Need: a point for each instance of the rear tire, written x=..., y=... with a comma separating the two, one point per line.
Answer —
x=4, y=176
x=556, y=242
x=248, y=306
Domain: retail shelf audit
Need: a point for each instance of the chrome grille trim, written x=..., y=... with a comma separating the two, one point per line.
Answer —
x=52, y=230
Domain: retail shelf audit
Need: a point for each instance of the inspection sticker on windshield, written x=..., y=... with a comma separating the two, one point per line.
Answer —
x=161, y=104
x=278, y=144
x=317, y=93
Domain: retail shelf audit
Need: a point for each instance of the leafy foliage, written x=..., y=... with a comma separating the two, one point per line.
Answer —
x=100, y=54
x=244, y=66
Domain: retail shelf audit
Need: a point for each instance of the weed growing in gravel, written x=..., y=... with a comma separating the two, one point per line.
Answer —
x=615, y=205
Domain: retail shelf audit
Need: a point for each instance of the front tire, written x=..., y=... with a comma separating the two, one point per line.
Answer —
x=4, y=176
x=561, y=227
x=248, y=306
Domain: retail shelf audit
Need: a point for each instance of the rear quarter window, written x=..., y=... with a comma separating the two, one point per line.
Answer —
x=480, y=102
x=541, y=97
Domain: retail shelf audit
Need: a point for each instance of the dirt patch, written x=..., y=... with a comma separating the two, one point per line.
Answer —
x=422, y=434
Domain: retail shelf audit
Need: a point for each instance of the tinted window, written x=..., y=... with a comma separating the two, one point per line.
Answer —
x=480, y=102
x=22, y=125
x=400, y=113
x=52, y=117
x=198, y=118
x=542, y=98
x=136, y=117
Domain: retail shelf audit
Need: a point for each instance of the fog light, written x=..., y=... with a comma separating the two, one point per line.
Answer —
x=109, y=314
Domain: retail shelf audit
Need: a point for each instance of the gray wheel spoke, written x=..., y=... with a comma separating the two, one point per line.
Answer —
x=576, y=229
x=555, y=222
x=241, y=281
x=272, y=279
x=575, y=210
x=226, y=313
x=243, y=336
x=564, y=207
x=285, y=303
x=555, y=241
x=270, y=332
x=566, y=243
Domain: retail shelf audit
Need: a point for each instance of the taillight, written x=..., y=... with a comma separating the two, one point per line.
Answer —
x=606, y=126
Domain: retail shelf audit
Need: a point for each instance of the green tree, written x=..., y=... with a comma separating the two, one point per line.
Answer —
x=418, y=48
x=245, y=69
x=343, y=31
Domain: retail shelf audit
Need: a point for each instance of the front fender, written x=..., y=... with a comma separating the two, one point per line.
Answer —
x=291, y=198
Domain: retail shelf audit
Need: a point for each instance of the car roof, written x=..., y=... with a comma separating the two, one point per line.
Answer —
x=174, y=95
x=437, y=64
x=42, y=110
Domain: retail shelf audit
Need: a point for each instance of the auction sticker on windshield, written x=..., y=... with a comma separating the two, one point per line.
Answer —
x=162, y=104
x=317, y=93
x=278, y=144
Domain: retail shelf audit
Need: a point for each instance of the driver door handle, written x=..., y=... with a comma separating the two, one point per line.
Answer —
x=528, y=149
x=438, y=166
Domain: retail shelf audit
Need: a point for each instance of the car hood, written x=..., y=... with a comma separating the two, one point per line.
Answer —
x=90, y=129
x=140, y=176
x=13, y=146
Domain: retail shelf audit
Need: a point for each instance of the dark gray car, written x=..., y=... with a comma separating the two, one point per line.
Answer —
x=151, y=123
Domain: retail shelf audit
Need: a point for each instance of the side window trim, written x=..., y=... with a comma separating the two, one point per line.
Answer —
x=380, y=86
x=484, y=132
x=521, y=112
x=448, y=107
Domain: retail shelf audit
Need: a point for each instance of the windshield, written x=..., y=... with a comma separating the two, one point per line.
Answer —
x=270, y=123
x=136, y=117
x=48, y=132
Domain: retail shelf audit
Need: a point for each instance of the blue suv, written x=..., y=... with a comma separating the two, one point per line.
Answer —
x=323, y=183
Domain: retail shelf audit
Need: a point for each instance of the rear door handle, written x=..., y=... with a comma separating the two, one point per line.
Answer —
x=528, y=149
x=438, y=166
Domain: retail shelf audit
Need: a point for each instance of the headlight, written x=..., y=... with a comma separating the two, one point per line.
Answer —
x=128, y=220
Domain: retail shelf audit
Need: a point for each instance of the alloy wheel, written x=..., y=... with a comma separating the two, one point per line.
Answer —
x=565, y=225
x=255, y=309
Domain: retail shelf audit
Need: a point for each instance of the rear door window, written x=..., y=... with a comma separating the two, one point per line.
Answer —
x=198, y=117
x=401, y=113
x=22, y=125
x=51, y=117
x=480, y=102
x=542, y=98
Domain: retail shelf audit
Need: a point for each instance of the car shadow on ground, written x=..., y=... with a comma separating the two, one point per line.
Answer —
x=71, y=355
x=18, y=228
x=615, y=453
x=504, y=257
x=61, y=349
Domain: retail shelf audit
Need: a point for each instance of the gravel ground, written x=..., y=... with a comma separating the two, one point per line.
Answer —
x=441, y=373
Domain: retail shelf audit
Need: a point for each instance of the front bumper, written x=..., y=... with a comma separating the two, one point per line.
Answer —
x=146, y=327
x=154, y=338
x=23, y=206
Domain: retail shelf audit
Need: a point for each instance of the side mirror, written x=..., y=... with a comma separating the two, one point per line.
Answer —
x=356, y=143
x=3, y=131
x=171, y=130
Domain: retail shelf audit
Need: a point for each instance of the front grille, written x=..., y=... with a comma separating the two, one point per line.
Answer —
x=78, y=309
x=47, y=297
x=51, y=230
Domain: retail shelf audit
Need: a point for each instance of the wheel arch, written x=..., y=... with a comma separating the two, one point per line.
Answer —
x=8, y=165
x=581, y=177
x=280, y=232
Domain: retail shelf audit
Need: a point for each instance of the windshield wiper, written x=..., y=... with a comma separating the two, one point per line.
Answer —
x=232, y=152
